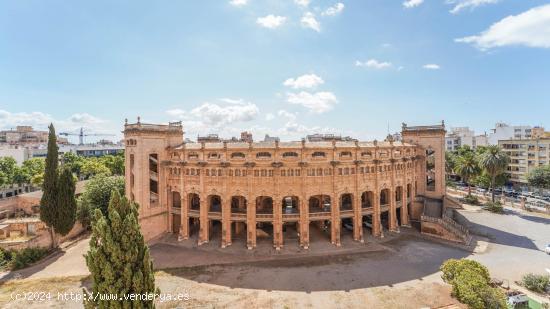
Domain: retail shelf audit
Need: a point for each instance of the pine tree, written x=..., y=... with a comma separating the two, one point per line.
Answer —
x=48, y=203
x=118, y=258
x=66, y=202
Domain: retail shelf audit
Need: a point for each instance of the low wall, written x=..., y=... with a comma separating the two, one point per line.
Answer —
x=436, y=230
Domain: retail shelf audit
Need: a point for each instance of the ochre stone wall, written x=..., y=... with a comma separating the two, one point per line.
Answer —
x=279, y=183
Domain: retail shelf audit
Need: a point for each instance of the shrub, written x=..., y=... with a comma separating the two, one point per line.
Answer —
x=12, y=259
x=536, y=283
x=471, y=199
x=495, y=207
x=470, y=281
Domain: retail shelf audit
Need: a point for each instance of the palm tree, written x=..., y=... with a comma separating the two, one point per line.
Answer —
x=467, y=167
x=494, y=162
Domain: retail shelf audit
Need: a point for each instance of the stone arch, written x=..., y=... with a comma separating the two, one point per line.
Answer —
x=346, y=201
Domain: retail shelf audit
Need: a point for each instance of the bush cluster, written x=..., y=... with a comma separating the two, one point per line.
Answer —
x=471, y=199
x=495, y=207
x=471, y=284
x=18, y=259
x=536, y=283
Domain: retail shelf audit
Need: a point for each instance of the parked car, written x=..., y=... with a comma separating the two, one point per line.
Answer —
x=348, y=225
x=547, y=249
x=516, y=298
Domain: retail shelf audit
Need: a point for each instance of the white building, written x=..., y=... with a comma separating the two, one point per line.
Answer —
x=503, y=131
x=19, y=153
x=463, y=136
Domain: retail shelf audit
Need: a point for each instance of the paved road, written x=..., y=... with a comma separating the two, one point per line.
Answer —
x=517, y=240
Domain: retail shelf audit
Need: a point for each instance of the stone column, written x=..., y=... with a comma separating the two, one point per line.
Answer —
x=226, y=221
x=184, y=226
x=335, y=220
x=169, y=204
x=250, y=222
x=376, y=230
x=404, y=207
x=304, y=223
x=203, y=220
x=277, y=223
x=357, y=218
x=393, y=211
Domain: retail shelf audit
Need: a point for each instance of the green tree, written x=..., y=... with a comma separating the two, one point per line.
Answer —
x=98, y=190
x=37, y=180
x=92, y=167
x=74, y=162
x=450, y=163
x=494, y=162
x=34, y=166
x=66, y=202
x=540, y=177
x=468, y=168
x=118, y=259
x=114, y=163
x=8, y=167
x=48, y=204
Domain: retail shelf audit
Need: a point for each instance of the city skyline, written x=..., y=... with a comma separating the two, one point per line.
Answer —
x=283, y=68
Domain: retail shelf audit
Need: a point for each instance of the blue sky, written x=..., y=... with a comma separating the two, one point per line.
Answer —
x=285, y=67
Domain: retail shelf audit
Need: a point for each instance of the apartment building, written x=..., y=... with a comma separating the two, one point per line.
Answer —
x=463, y=136
x=503, y=131
x=525, y=155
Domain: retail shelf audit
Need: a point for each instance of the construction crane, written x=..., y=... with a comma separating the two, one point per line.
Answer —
x=81, y=135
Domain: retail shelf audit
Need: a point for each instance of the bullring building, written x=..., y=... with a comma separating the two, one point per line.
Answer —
x=283, y=191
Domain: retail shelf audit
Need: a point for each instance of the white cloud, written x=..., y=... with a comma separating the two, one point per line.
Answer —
x=304, y=81
x=303, y=3
x=269, y=117
x=530, y=28
x=334, y=10
x=412, y=3
x=309, y=21
x=374, y=64
x=460, y=5
x=271, y=21
x=41, y=121
x=431, y=66
x=238, y=2
x=286, y=114
x=318, y=102
x=216, y=115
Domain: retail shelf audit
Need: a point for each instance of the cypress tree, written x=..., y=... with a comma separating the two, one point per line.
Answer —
x=66, y=202
x=118, y=258
x=48, y=203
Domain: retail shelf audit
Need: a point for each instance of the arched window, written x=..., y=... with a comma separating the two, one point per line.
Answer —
x=213, y=155
x=290, y=154
x=237, y=155
x=193, y=155
x=263, y=155
x=319, y=154
x=345, y=154
x=366, y=154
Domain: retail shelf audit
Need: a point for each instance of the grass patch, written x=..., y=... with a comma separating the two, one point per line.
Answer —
x=18, y=259
x=495, y=207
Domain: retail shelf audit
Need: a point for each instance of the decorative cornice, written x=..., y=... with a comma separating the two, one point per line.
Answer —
x=225, y=164
x=334, y=162
x=202, y=163
x=182, y=163
x=302, y=164
x=249, y=164
x=358, y=162
x=376, y=161
x=277, y=164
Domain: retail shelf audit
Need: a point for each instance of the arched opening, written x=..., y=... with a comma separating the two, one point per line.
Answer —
x=291, y=205
x=214, y=203
x=194, y=202
x=430, y=170
x=319, y=203
x=238, y=205
x=238, y=228
x=264, y=205
x=367, y=199
x=385, y=197
x=176, y=200
x=346, y=201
